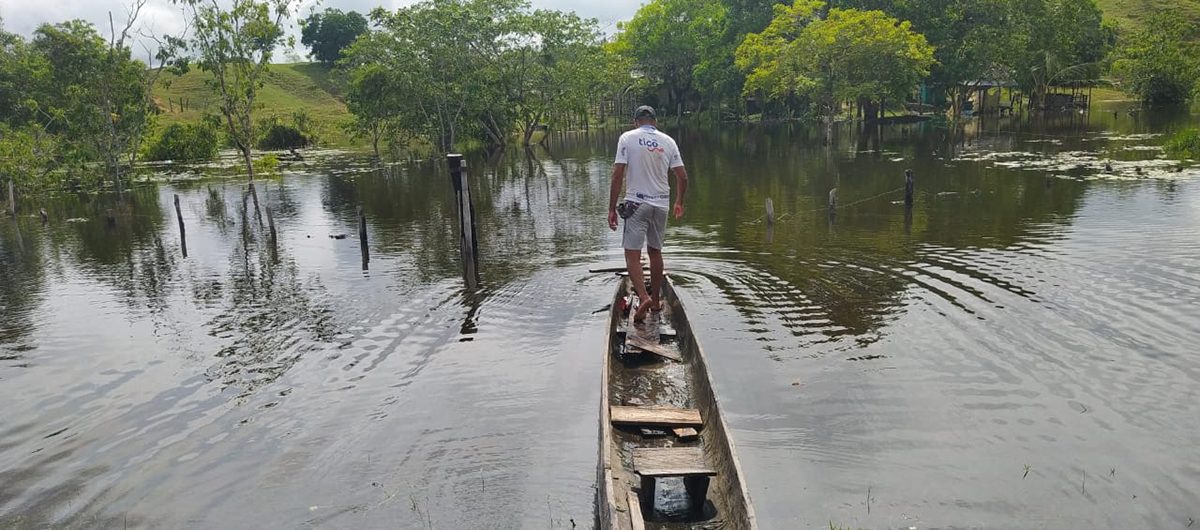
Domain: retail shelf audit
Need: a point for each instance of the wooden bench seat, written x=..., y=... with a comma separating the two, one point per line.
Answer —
x=655, y=416
x=651, y=463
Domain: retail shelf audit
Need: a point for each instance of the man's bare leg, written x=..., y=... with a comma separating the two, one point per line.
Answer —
x=633, y=261
x=656, y=277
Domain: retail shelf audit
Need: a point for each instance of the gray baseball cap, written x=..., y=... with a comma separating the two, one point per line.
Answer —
x=644, y=111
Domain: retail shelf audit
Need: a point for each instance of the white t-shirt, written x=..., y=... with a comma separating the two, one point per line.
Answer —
x=648, y=155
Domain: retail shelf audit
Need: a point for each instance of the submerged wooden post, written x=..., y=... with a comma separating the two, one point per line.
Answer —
x=832, y=202
x=468, y=246
x=770, y=212
x=12, y=200
x=182, y=230
x=908, y=188
x=362, y=238
x=271, y=226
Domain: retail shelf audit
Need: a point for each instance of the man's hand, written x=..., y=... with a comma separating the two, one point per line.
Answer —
x=612, y=220
x=678, y=211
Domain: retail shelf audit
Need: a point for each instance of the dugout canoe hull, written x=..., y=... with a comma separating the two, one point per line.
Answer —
x=646, y=379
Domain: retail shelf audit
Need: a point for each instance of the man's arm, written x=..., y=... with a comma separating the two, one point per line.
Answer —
x=681, y=181
x=614, y=192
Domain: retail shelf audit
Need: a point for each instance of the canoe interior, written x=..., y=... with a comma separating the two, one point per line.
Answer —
x=646, y=379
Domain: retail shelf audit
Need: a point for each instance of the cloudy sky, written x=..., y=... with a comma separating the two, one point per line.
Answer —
x=163, y=17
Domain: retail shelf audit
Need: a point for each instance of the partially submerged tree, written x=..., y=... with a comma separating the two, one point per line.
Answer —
x=664, y=46
x=235, y=45
x=329, y=32
x=482, y=69
x=87, y=92
x=557, y=64
x=380, y=113
x=1057, y=42
x=849, y=55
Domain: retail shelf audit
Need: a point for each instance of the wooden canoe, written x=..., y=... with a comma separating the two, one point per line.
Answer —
x=658, y=412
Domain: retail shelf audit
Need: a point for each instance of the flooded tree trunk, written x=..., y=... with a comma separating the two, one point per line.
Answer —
x=375, y=134
x=245, y=149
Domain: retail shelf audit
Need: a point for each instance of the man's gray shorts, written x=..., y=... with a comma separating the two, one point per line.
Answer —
x=646, y=227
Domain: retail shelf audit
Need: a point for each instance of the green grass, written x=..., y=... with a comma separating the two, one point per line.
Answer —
x=309, y=87
x=1132, y=14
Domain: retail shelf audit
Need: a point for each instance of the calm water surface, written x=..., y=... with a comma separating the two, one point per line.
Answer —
x=1019, y=352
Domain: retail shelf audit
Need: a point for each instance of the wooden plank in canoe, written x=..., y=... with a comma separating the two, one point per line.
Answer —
x=652, y=347
x=670, y=462
x=685, y=433
x=668, y=416
x=622, y=268
x=635, y=512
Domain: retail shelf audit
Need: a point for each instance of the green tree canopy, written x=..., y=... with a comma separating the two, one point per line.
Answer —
x=329, y=32
x=73, y=98
x=1159, y=64
x=847, y=55
x=475, y=68
x=665, y=38
x=1057, y=42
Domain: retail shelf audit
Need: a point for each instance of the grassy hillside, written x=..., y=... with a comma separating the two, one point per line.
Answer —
x=1133, y=13
x=289, y=88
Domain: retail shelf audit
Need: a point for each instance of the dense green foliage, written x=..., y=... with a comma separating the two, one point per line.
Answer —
x=190, y=142
x=1184, y=145
x=686, y=48
x=235, y=45
x=69, y=101
x=473, y=69
x=329, y=32
x=1159, y=65
x=849, y=55
x=297, y=134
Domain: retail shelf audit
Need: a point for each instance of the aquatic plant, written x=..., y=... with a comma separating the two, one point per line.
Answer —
x=1184, y=144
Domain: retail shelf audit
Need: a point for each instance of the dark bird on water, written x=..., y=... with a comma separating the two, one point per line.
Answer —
x=1137, y=170
x=1108, y=167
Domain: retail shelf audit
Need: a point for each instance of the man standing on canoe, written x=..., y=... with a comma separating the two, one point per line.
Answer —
x=646, y=155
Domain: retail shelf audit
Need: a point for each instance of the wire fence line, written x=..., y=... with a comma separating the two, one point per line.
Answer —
x=826, y=209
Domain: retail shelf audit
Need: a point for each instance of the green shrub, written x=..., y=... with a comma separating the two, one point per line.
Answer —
x=178, y=142
x=1184, y=144
x=280, y=136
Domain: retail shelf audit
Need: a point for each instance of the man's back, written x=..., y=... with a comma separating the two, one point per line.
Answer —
x=649, y=155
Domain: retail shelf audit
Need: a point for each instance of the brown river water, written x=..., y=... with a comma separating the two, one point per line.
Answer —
x=1019, y=352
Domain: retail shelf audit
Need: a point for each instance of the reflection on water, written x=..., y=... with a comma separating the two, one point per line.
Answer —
x=1013, y=352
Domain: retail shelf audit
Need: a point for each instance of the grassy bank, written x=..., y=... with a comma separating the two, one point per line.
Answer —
x=307, y=87
x=1132, y=14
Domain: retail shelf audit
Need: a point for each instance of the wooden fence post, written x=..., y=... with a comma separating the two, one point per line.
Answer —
x=468, y=245
x=271, y=226
x=362, y=237
x=908, y=188
x=182, y=230
x=12, y=199
x=770, y=212
x=833, y=202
